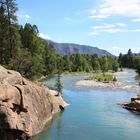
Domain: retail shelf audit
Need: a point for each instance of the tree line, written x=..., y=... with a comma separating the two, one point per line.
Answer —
x=130, y=60
x=23, y=50
x=89, y=63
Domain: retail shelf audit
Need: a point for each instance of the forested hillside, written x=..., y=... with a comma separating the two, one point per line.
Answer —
x=23, y=50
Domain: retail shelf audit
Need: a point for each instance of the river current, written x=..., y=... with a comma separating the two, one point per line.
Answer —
x=94, y=113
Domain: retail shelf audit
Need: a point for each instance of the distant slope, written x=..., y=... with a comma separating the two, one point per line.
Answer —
x=70, y=48
x=136, y=54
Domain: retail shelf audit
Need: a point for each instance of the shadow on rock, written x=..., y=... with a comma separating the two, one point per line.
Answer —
x=12, y=135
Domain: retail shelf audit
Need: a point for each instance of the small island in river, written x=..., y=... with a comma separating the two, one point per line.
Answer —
x=110, y=80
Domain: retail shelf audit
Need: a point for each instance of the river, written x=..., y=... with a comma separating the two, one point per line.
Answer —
x=93, y=114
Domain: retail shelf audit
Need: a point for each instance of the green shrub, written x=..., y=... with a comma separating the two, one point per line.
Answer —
x=114, y=79
x=99, y=79
x=103, y=78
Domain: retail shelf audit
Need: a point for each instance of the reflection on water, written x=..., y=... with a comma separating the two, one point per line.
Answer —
x=56, y=120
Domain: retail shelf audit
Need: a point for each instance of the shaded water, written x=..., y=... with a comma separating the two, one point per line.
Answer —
x=93, y=114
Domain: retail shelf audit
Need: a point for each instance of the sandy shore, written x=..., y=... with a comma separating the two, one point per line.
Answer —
x=112, y=85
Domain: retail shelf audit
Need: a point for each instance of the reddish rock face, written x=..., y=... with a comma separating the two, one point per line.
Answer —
x=25, y=106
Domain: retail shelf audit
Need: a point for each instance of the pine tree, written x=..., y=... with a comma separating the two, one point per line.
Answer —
x=59, y=84
x=130, y=59
x=10, y=12
x=115, y=66
x=2, y=33
x=50, y=60
x=104, y=64
x=58, y=80
x=96, y=64
x=10, y=38
x=120, y=59
x=137, y=64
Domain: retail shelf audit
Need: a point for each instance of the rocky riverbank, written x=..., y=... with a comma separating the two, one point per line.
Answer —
x=114, y=85
x=25, y=107
x=133, y=105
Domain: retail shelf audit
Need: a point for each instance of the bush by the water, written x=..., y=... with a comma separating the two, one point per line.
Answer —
x=103, y=78
x=138, y=94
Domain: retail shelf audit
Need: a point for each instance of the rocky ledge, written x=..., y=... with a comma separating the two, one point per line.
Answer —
x=134, y=105
x=25, y=107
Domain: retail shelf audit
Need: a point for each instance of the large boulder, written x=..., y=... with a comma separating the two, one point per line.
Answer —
x=133, y=105
x=25, y=107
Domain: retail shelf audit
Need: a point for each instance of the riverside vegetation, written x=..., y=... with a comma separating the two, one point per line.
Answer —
x=103, y=78
x=130, y=60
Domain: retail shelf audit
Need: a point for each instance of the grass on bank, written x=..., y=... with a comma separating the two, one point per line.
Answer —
x=77, y=73
x=103, y=78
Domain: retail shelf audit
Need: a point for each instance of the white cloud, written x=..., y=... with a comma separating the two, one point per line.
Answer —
x=44, y=36
x=109, y=26
x=112, y=28
x=136, y=20
x=117, y=49
x=25, y=16
x=124, y=8
x=67, y=19
x=136, y=30
x=98, y=16
x=136, y=50
x=92, y=11
x=93, y=33
x=121, y=24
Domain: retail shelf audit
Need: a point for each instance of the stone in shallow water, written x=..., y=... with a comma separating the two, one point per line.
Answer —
x=134, y=105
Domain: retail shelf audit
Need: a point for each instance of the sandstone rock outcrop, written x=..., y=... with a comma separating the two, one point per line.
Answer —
x=25, y=107
x=134, y=105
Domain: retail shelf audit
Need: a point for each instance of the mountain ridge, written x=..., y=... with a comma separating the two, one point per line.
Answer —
x=71, y=48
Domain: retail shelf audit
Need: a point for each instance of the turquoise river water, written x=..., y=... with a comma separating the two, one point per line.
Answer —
x=93, y=114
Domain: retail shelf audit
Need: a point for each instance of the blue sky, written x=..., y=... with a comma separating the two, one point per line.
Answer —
x=113, y=25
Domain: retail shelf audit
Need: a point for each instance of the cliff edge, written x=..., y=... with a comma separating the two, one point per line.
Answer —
x=25, y=107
